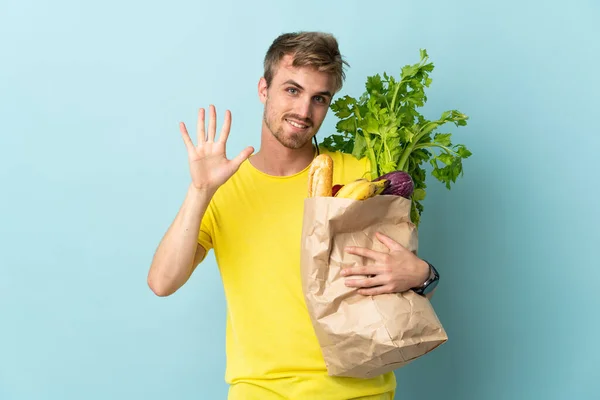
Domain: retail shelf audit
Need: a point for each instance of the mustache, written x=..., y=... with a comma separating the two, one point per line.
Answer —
x=305, y=121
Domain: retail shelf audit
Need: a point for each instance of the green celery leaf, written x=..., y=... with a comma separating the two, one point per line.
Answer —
x=330, y=144
x=421, y=155
x=439, y=174
x=463, y=151
x=373, y=106
x=343, y=106
x=443, y=139
x=389, y=130
x=446, y=115
x=446, y=158
x=406, y=134
x=360, y=145
x=346, y=125
x=409, y=70
x=374, y=84
x=369, y=124
x=419, y=194
x=390, y=155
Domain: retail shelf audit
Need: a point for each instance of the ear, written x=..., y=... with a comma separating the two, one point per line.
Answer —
x=262, y=90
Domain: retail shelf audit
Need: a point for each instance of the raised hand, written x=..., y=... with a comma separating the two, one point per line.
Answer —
x=209, y=166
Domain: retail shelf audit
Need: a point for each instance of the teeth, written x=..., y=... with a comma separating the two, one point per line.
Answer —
x=296, y=124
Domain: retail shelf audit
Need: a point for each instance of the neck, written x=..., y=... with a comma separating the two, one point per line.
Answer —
x=275, y=159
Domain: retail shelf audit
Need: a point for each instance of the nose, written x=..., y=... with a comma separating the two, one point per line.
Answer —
x=304, y=108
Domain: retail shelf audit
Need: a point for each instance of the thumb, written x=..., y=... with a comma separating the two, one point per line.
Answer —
x=243, y=156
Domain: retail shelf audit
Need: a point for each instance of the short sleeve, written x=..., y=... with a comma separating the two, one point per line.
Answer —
x=347, y=168
x=206, y=233
x=367, y=167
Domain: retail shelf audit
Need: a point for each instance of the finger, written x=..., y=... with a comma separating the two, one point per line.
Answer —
x=186, y=137
x=377, y=280
x=374, y=291
x=200, y=131
x=244, y=154
x=212, y=124
x=389, y=242
x=364, y=252
x=362, y=270
x=226, y=127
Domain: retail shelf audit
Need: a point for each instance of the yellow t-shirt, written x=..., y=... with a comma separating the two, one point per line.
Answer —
x=254, y=225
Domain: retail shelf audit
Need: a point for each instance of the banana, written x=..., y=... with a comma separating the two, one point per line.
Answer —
x=380, y=186
x=361, y=189
x=350, y=187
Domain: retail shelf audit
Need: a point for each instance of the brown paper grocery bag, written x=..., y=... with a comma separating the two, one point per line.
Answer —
x=362, y=336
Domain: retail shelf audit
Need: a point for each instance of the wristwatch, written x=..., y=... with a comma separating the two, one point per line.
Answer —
x=430, y=283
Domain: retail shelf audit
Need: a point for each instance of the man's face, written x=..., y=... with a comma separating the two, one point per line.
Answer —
x=296, y=102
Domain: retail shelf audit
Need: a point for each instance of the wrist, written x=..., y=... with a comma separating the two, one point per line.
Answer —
x=201, y=190
x=430, y=283
x=424, y=273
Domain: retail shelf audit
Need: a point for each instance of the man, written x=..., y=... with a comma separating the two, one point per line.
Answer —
x=249, y=210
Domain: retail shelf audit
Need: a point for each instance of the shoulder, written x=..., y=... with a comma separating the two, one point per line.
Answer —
x=346, y=167
x=346, y=159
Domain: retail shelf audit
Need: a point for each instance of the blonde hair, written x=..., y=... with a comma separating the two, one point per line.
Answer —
x=315, y=49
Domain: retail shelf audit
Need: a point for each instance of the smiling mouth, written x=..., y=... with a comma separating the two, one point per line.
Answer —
x=296, y=124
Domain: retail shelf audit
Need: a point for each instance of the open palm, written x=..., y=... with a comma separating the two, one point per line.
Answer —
x=209, y=166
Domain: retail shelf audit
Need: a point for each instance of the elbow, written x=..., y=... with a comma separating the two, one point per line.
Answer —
x=158, y=288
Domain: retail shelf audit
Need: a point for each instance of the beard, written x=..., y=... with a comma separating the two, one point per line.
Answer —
x=291, y=140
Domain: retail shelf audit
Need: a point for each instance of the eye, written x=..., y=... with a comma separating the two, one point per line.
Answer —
x=292, y=90
x=320, y=99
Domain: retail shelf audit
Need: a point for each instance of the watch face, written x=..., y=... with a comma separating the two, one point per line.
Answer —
x=430, y=287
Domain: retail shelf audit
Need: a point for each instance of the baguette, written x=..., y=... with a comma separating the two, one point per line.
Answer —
x=320, y=176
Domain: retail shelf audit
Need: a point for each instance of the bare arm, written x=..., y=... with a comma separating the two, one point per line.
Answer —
x=178, y=253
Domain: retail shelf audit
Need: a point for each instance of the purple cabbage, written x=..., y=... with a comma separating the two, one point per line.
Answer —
x=401, y=184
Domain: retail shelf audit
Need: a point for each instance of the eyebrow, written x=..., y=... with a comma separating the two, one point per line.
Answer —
x=294, y=83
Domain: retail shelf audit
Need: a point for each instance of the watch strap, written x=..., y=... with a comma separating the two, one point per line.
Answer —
x=431, y=281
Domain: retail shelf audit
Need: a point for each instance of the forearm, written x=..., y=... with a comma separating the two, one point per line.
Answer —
x=174, y=259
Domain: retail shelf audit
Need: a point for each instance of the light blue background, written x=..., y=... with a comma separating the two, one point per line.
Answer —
x=93, y=170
